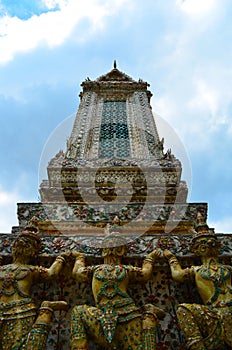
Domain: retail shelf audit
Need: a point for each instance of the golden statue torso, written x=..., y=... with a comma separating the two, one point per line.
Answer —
x=109, y=282
x=213, y=282
x=16, y=281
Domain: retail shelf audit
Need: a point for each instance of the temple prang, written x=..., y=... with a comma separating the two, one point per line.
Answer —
x=114, y=158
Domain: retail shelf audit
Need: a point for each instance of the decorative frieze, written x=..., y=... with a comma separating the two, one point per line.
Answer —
x=72, y=212
x=53, y=245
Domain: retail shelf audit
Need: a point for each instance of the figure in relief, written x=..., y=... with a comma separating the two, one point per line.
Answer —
x=206, y=326
x=115, y=322
x=20, y=325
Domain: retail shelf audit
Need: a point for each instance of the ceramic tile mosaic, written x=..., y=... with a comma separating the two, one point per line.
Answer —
x=114, y=134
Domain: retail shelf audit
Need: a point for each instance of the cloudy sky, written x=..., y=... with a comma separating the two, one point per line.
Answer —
x=183, y=48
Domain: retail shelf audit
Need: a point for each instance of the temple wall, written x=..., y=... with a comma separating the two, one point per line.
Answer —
x=162, y=291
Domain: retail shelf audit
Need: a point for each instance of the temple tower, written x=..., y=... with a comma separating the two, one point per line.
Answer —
x=114, y=165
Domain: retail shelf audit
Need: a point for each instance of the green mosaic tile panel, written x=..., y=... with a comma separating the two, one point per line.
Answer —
x=114, y=135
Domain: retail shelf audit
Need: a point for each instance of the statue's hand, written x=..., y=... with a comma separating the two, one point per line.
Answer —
x=168, y=255
x=63, y=258
x=67, y=256
x=150, y=258
x=77, y=255
x=156, y=253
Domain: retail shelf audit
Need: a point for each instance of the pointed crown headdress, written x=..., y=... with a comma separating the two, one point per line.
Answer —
x=113, y=236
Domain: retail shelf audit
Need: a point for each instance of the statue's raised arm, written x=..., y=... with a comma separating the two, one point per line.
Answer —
x=178, y=273
x=81, y=272
x=144, y=273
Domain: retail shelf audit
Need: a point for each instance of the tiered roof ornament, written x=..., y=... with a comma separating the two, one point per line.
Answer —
x=115, y=74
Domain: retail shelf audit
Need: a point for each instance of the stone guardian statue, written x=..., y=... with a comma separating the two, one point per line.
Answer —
x=20, y=325
x=115, y=322
x=207, y=325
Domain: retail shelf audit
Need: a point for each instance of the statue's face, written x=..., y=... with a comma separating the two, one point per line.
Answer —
x=26, y=247
x=206, y=246
x=114, y=251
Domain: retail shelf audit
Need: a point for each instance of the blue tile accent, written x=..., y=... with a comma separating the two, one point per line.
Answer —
x=114, y=135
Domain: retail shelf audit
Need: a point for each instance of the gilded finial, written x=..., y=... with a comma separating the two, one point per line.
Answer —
x=115, y=64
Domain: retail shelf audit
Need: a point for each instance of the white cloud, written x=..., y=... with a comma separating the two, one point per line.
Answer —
x=200, y=104
x=53, y=3
x=21, y=191
x=8, y=209
x=196, y=8
x=51, y=28
x=222, y=226
x=206, y=98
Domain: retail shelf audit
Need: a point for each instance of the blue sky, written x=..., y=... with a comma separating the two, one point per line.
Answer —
x=183, y=48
